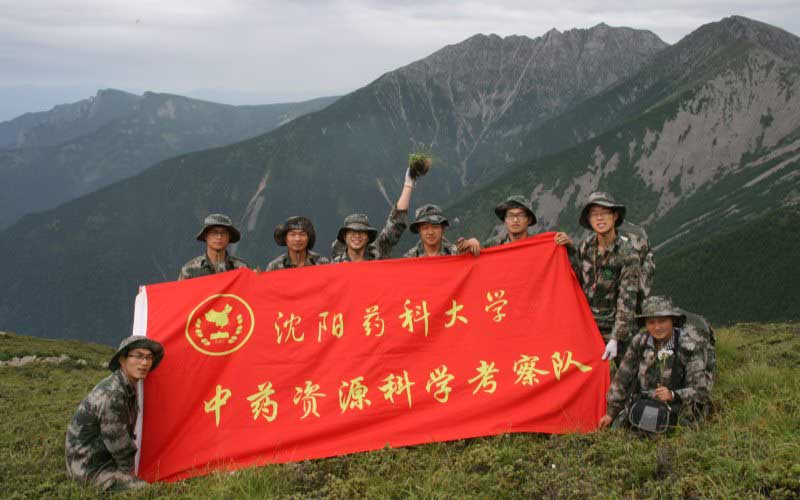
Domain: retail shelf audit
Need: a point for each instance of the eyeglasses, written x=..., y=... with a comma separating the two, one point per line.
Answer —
x=516, y=216
x=139, y=357
x=595, y=214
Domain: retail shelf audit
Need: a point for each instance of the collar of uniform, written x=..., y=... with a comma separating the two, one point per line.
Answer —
x=126, y=384
x=617, y=241
x=670, y=344
x=311, y=259
x=206, y=262
x=419, y=249
x=368, y=255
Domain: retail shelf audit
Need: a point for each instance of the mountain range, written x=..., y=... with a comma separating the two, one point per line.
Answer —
x=694, y=138
x=51, y=157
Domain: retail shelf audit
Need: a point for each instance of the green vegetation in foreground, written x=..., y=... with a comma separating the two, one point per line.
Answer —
x=748, y=449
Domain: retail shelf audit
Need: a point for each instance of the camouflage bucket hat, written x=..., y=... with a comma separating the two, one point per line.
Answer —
x=660, y=306
x=137, y=342
x=357, y=222
x=604, y=200
x=515, y=201
x=296, y=222
x=219, y=220
x=430, y=214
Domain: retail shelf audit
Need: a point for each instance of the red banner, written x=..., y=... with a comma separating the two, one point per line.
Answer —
x=322, y=361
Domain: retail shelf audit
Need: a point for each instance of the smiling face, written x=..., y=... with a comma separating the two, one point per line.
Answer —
x=517, y=221
x=660, y=327
x=136, y=364
x=297, y=240
x=431, y=234
x=356, y=240
x=217, y=238
x=602, y=219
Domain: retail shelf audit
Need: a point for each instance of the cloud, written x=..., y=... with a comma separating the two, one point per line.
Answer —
x=297, y=49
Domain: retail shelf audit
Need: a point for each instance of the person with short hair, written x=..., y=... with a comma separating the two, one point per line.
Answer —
x=218, y=232
x=297, y=234
x=608, y=268
x=517, y=215
x=100, y=443
x=358, y=241
x=430, y=224
x=650, y=363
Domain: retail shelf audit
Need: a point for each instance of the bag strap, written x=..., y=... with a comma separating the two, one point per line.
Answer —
x=676, y=374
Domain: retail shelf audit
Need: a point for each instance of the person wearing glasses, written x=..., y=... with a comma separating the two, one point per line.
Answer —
x=608, y=268
x=517, y=216
x=218, y=232
x=101, y=444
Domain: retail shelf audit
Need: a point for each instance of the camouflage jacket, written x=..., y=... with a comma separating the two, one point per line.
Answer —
x=446, y=248
x=640, y=243
x=641, y=361
x=382, y=247
x=501, y=237
x=202, y=266
x=496, y=240
x=285, y=262
x=100, y=436
x=610, y=283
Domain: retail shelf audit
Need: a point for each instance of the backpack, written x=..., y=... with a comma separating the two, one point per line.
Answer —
x=638, y=238
x=699, y=329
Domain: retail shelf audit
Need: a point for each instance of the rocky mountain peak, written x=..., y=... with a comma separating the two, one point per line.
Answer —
x=736, y=29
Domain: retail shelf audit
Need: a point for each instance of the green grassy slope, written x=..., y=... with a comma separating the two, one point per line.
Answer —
x=748, y=449
x=748, y=270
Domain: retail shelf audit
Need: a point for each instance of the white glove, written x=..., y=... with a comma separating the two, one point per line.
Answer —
x=409, y=181
x=611, y=350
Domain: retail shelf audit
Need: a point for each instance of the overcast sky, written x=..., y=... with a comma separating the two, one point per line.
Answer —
x=260, y=51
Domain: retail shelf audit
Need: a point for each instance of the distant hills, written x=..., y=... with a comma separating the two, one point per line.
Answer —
x=54, y=156
x=744, y=272
x=695, y=138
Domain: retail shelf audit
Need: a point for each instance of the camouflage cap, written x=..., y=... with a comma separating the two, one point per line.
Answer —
x=219, y=220
x=604, y=200
x=515, y=201
x=659, y=306
x=137, y=342
x=430, y=214
x=357, y=222
x=296, y=222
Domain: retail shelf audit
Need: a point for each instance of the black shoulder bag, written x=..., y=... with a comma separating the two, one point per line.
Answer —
x=652, y=416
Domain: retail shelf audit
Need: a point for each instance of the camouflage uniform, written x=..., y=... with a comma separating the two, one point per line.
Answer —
x=446, y=248
x=202, y=265
x=641, y=244
x=502, y=237
x=641, y=361
x=100, y=443
x=610, y=281
x=296, y=222
x=430, y=214
x=381, y=245
x=285, y=262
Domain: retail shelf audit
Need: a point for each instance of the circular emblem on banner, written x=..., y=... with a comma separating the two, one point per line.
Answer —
x=220, y=325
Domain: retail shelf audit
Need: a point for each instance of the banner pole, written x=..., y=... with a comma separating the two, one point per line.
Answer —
x=139, y=328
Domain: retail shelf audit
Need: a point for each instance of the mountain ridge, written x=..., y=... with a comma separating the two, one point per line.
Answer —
x=83, y=146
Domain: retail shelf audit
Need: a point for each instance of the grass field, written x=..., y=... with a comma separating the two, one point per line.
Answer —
x=749, y=448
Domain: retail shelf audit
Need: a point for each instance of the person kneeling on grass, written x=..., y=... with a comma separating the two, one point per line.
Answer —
x=665, y=376
x=101, y=444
